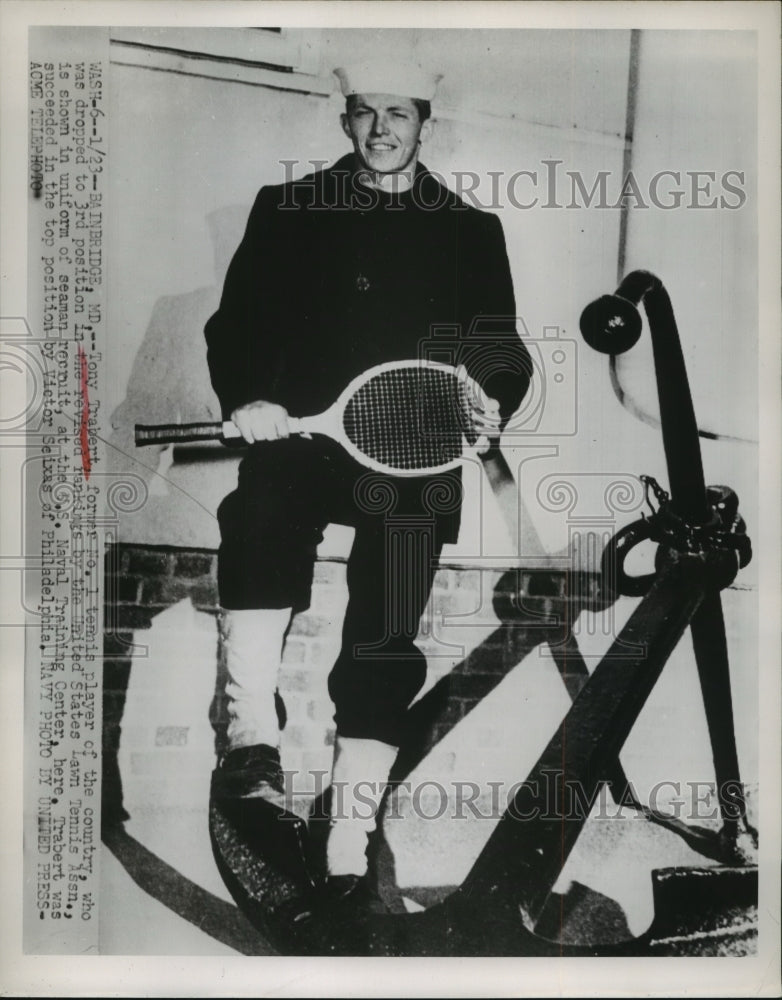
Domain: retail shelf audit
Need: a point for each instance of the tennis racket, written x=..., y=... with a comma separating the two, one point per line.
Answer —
x=403, y=418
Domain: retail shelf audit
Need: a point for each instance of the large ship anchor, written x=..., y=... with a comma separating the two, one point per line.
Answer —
x=500, y=907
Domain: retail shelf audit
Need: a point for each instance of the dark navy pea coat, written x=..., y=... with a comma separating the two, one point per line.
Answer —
x=331, y=278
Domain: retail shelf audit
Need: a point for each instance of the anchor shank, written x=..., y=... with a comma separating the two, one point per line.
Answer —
x=677, y=413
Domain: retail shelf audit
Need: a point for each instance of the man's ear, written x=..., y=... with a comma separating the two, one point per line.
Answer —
x=427, y=130
x=343, y=120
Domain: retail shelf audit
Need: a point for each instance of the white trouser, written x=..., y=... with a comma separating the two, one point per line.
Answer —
x=252, y=644
x=359, y=778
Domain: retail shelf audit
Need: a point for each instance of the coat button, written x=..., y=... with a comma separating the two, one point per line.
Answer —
x=362, y=283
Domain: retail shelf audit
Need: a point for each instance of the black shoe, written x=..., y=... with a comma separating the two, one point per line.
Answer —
x=248, y=789
x=253, y=772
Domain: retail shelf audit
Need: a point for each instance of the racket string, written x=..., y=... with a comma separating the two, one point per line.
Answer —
x=410, y=418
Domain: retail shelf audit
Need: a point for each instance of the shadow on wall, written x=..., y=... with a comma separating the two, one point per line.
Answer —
x=169, y=383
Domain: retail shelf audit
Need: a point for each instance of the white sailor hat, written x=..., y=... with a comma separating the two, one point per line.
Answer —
x=404, y=79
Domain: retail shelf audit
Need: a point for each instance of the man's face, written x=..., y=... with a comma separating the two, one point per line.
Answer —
x=385, y=131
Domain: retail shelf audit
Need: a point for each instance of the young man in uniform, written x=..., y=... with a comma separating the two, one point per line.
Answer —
x=345, y=269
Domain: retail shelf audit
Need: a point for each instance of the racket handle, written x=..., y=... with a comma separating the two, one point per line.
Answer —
x=178, y=433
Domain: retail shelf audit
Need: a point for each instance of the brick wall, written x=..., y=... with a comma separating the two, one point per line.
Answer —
x=473, y=636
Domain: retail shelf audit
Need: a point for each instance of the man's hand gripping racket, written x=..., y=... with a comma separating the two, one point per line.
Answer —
x=403, y=418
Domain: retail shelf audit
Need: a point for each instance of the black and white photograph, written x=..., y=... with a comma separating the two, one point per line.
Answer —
x=392, y=411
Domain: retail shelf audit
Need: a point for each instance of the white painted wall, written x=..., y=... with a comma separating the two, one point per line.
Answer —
x=185, y=147
x=189, y=153
x=696, y=112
